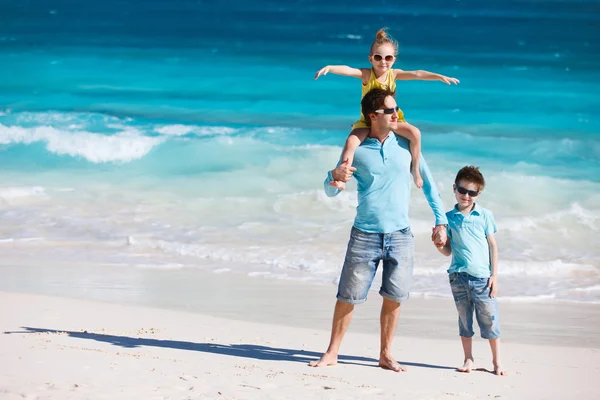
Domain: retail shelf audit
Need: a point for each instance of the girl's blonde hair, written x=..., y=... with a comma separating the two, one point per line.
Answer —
x=382, y=37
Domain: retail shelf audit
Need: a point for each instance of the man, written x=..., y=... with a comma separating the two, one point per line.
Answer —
x=381, y=230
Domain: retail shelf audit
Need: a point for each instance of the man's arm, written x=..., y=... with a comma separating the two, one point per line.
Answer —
x=432, y=195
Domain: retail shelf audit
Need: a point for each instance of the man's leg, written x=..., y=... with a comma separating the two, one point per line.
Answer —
x=342, y=316
x=390, y=311
x=395, y=287
x=362, y=256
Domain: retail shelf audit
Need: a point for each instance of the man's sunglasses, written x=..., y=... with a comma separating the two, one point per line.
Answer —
x=379, y=57
x=462, y=190
x=387, y=111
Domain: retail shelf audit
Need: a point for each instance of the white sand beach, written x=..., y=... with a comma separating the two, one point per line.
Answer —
x=256, y=344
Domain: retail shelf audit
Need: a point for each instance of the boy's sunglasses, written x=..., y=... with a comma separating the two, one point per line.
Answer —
x=387, y=111
x=379, y=57
x=462, y=190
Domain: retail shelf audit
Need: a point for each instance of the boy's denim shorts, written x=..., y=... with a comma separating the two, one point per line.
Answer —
x=365, y=251
x=472, y=294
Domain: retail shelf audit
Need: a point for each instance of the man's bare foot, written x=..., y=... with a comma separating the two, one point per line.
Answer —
x=338, y=185
x=417, y=178
x=467, y=366
x=391, y=364
x=326, y=360
x=498, y=370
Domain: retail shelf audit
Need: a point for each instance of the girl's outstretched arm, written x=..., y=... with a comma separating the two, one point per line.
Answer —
x=343, y=70
x=423, y=76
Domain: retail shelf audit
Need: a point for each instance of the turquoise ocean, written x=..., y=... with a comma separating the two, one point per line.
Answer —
x=191, y=134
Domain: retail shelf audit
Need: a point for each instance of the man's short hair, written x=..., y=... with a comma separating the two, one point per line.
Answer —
x=372, y=101
x=470, y=173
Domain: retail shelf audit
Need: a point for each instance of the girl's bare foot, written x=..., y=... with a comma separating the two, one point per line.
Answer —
x=467, y=366
x=338, y=185
x=391, y=364
x=498, y=370
x=326, y=360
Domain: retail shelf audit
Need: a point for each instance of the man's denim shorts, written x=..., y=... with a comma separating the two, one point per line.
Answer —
x=472, y=294
x=365, y=251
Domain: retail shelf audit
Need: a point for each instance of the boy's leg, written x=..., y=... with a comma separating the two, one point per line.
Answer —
x=486, y=311
x=467, y=344
x=495, y=346
x=413, y=134
x=356, y=137
x=459, y=283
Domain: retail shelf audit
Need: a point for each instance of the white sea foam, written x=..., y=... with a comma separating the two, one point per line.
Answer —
x=595, y=288
x=8, y=193
x=348, y=36
x=180, y=130
x=97, y=148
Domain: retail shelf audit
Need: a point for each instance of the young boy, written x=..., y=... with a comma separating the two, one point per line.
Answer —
x=473, y=272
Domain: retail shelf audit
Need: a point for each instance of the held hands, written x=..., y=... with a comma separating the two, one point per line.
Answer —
x=493, y=285
x=447, y=80
x=439, y=236
x=323, y=71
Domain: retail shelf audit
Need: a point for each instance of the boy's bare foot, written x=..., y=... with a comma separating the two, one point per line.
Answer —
x=498, y=370
x=417, y=178
x=338, y=185
x=326, y=360
x=391, y=364
x=467, y=366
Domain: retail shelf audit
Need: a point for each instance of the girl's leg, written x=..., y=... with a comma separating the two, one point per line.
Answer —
x=413, y=134
x=356, y=137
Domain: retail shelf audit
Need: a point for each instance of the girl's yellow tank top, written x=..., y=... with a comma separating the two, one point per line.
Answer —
x=373, y=83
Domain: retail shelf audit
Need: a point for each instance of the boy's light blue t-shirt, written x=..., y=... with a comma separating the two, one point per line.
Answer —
x=468, y=239
x=384, y=183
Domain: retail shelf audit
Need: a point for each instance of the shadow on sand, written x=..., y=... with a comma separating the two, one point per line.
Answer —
x=253, y=351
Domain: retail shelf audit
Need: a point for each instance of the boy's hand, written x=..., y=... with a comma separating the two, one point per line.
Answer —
x=493, y=285
x=439, y=236
x=447, y=80
x=322, y=71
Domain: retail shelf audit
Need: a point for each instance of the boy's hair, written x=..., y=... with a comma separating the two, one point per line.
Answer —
x=470, y=173
x=372, y=101
x=382, y=37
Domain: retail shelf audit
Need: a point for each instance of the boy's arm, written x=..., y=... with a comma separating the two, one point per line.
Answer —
x=343, y=70
x=493, y=282
x=445, y=249
x=421, y=75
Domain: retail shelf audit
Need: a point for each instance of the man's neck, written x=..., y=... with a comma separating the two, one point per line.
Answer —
x=379, y=133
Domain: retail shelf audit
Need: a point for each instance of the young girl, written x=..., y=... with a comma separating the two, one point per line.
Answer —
x=383, y=54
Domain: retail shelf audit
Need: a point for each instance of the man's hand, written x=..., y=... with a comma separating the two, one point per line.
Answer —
x=439, y=235
x=343, y=172
x=493, y=285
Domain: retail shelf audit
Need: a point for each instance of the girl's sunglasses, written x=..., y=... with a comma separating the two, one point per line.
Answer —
x=387, y=111
x=379, y=57
x=462, y=190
